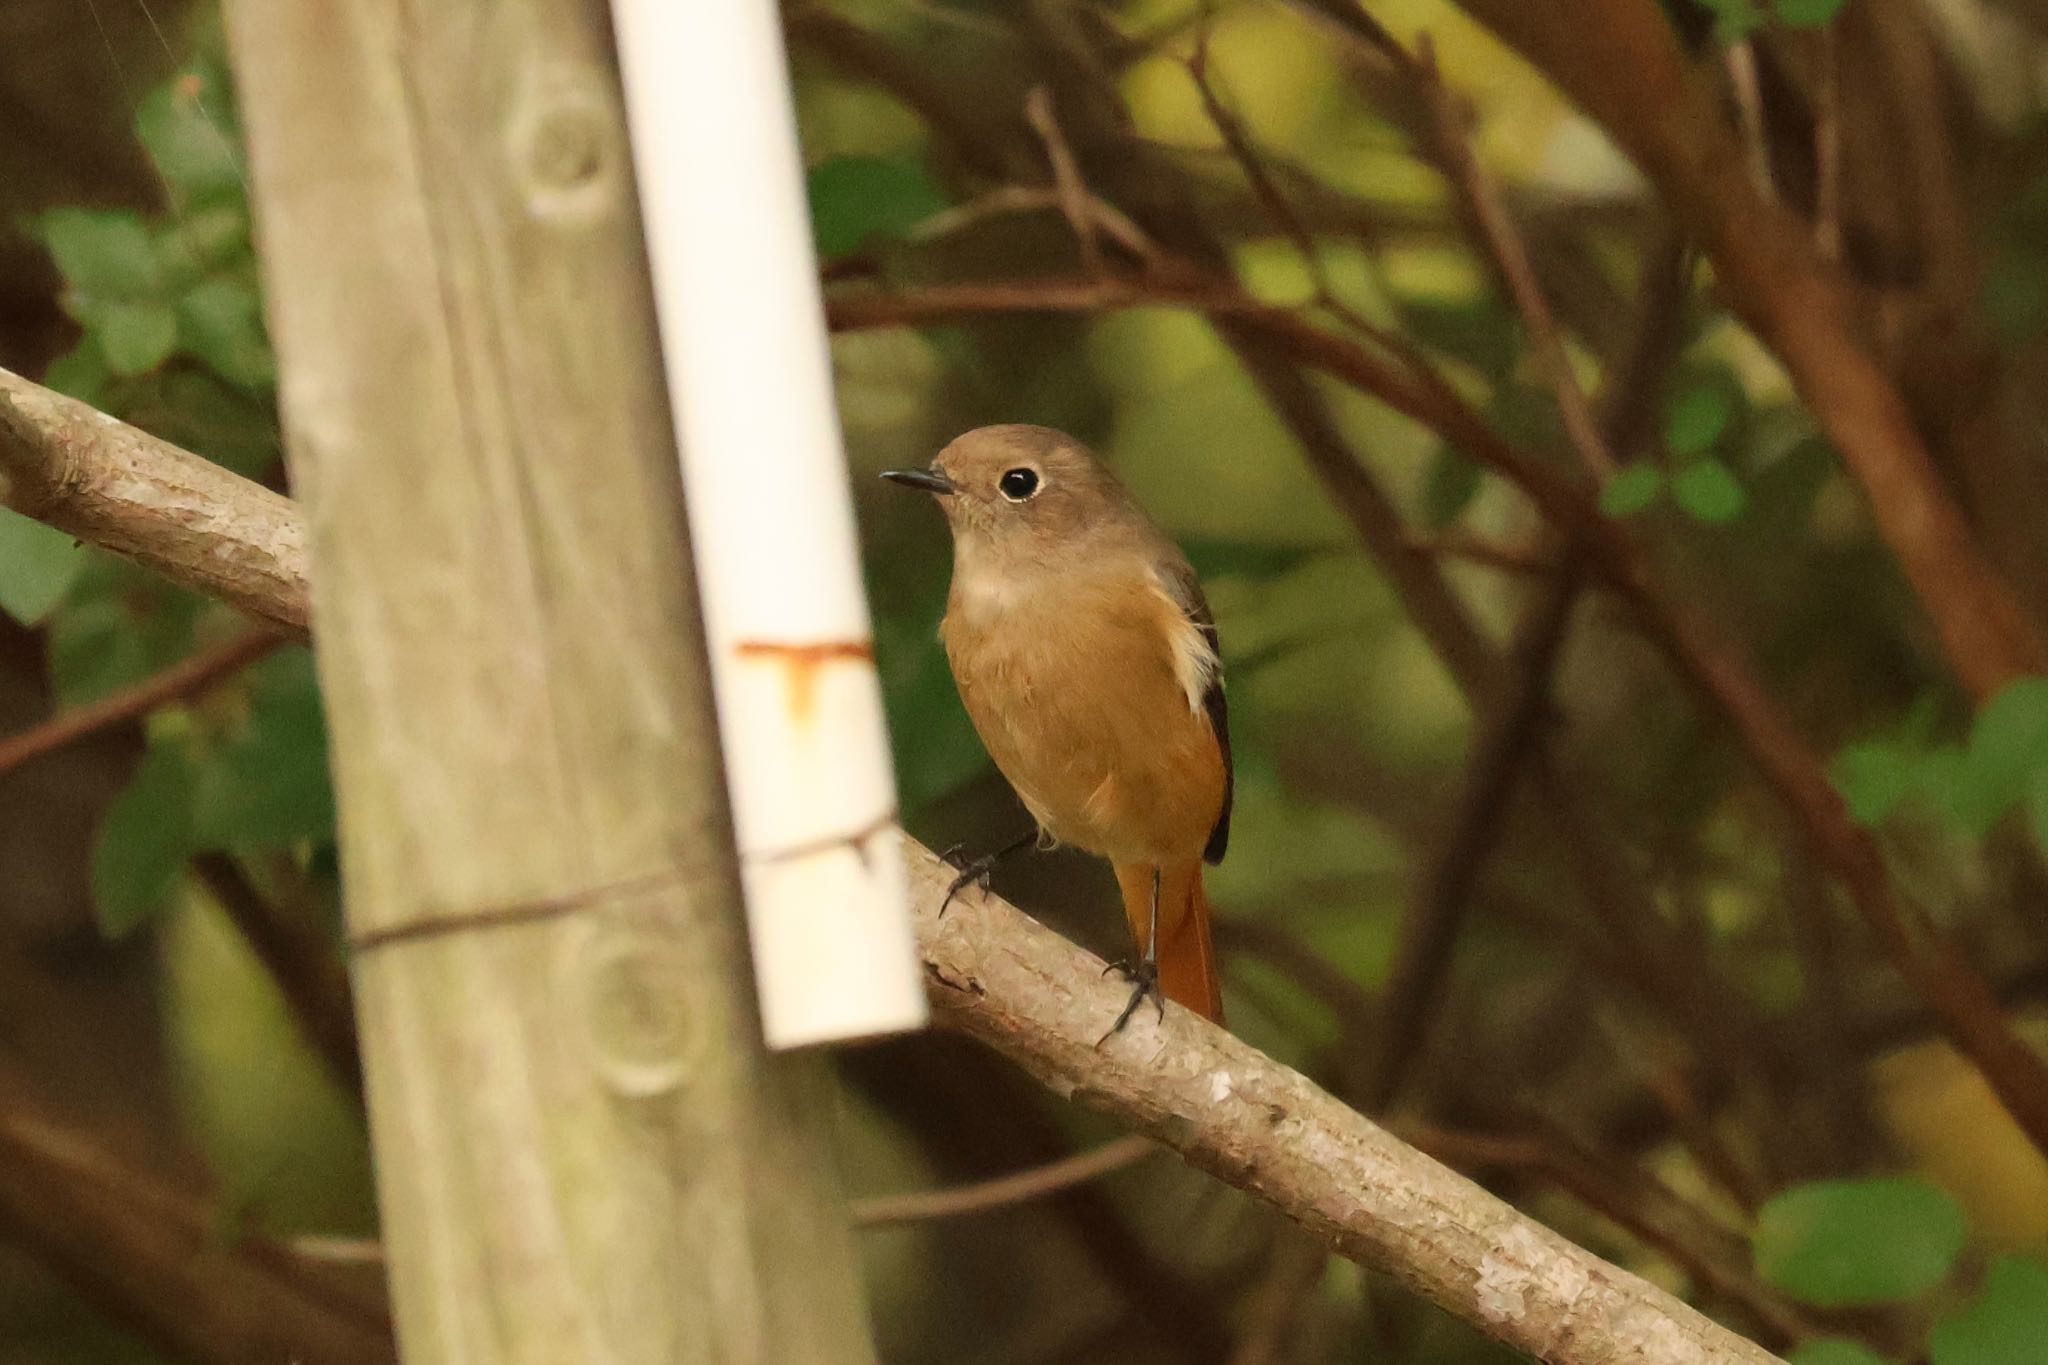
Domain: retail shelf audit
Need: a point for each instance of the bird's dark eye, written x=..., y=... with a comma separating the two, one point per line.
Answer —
x=1018, y=484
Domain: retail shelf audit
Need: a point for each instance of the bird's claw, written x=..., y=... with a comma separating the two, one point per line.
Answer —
x=1144, y=979
x=973, y=872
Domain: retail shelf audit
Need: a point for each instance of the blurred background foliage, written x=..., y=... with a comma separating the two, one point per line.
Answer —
x=1657, y=1025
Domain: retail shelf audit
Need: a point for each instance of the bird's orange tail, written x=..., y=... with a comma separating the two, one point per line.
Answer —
x=1187, y=957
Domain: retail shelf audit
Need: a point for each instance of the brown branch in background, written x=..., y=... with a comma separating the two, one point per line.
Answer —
x=1925, y=955
x=1437, y=612
x=1071, y=191
x=982, y=1117
x=123, y=490
x=155, y=1257
x=187, y=678
x=1510, y=256
x=1008, y=199
x=1621, y=62
x=1740, y=61
x=1827, y=148
x=1003, y=1191
x=303, y=959
x=1522, y=561
x=851, y=49
x=1422, y=396
x=1294, y=1270
x=1508, y=733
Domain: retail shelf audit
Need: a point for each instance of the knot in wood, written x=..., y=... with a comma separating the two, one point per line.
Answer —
x=566, y=150
x=626, y=986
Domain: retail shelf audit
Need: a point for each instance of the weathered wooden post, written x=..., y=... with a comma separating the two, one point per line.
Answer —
x=583, y=1152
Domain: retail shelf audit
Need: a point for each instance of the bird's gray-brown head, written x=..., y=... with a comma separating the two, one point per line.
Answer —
x=1015, y=493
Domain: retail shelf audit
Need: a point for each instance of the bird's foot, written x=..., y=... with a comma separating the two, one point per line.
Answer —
x=1144, y=979
x=973, y=872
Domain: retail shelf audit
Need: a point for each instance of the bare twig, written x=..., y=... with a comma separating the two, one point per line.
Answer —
x=1827, y=148
x=1510, y=255
x=336, y=1250
x=1071, y=191
x=1104, y=217
x=1509, y=732
x=1004, y=1191
x=1294, y=1268
x=1740, y=60
x=187, y=678
x=847, y=46
x=1520, y=560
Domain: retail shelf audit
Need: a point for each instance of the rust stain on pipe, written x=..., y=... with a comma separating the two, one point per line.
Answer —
x=800, y=663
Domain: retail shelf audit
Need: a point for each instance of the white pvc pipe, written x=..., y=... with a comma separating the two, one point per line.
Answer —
x=771, y=522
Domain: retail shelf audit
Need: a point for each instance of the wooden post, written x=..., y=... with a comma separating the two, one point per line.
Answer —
x=583, y=1152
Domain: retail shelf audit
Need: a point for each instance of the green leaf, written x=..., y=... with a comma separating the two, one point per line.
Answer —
x=1734, y=20
x=1479, y=332
x=37, y=567
x=188, y=130
x=2007, y=1323
x=1833, y=1351
x=935, y=747
x=203, y=242
x=2014, y=295
x=140, y=850
x=1708, y=492
x=232, y=427
x=1630, y=491
x=2037, y=809
x=1873, y=777
x=2008, y=743
x=269, y=786
x=220, y=321
x=119, y=625
x=854, y=198
x=1452, y=483
x=80, y=373
x=101, y=252
x=1808, y=13
x=1215, y=557
x=1953, y=786
x=136, y=337
x=1843, y=1243
x=1698, y=418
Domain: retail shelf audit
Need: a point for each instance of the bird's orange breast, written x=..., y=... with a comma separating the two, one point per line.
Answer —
x=1079, y=693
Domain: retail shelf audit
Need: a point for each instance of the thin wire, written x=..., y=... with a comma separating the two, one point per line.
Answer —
x=228, y=146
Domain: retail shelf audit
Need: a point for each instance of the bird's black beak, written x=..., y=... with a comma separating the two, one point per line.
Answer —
x=930, y=480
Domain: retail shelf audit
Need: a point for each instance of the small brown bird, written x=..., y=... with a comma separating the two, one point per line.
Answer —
x=1087, y=658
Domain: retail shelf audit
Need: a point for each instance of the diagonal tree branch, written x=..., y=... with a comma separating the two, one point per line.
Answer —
x=998, y=976
x=122, y=489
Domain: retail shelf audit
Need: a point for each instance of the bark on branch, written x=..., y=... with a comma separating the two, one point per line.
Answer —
x=999, y=976
x=122, y=489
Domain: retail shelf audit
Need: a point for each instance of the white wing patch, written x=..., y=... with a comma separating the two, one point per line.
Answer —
x=1195, y=664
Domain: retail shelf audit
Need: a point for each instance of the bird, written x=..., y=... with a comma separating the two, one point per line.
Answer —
x=1088, y=660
